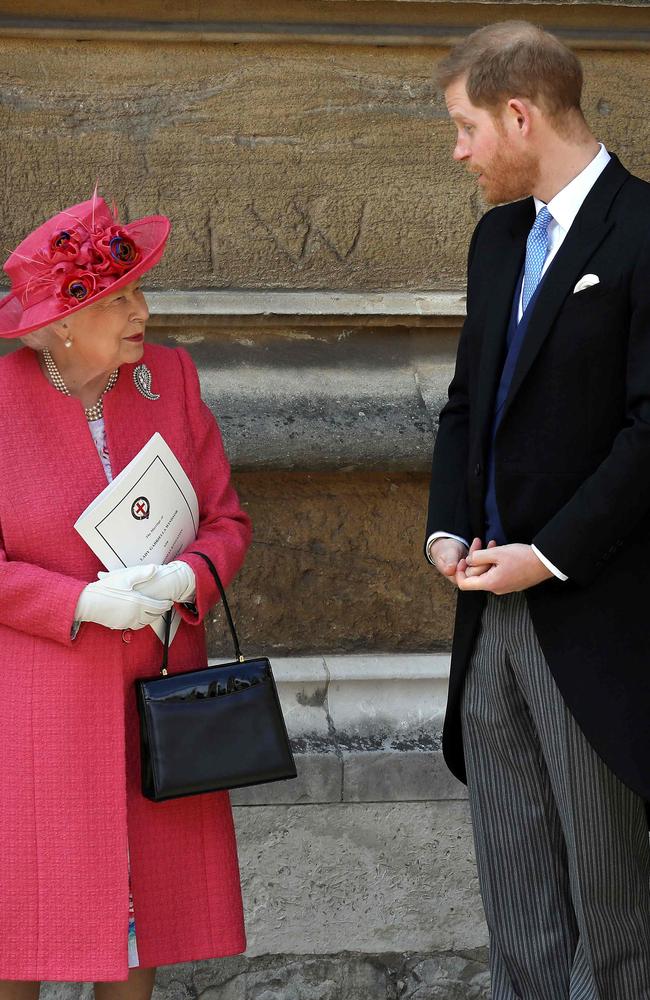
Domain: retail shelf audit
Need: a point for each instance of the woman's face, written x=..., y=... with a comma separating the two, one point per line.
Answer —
x=108, y=333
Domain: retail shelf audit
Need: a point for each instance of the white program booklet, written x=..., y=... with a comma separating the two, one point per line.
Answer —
x=148, y=514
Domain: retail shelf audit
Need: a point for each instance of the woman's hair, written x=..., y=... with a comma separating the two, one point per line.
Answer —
x=38, y=340
x=515, y=59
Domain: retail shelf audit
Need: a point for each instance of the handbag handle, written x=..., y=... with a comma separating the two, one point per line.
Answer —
x=226, y=607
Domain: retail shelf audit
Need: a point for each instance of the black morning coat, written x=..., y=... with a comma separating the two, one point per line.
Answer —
x=572, y=459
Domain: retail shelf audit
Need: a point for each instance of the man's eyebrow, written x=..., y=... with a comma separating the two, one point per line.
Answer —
x=460, y=116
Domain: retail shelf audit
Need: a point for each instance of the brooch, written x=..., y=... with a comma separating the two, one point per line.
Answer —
x=142, y=379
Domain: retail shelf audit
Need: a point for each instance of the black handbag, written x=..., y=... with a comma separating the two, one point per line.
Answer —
x=213, y=728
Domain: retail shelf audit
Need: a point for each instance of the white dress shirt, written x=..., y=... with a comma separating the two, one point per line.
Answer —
x=564, y=207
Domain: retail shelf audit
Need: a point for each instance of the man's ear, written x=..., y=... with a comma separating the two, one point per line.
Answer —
x=519, y=111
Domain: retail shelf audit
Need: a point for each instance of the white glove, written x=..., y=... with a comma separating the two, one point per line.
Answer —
x=111, y=601
x=173, y=582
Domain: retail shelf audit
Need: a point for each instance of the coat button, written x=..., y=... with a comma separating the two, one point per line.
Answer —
x=477, y=469
x=126, y=635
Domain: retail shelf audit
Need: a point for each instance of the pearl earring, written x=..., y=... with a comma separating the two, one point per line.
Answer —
x=67, y=342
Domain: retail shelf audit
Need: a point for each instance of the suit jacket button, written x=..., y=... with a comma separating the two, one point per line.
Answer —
x=126, y=635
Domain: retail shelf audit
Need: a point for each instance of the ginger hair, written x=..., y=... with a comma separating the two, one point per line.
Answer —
x=516, y=59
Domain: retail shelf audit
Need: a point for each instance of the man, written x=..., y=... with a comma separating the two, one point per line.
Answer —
x=542, y=468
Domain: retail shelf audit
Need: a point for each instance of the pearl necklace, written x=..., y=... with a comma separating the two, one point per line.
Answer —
x=92, y=412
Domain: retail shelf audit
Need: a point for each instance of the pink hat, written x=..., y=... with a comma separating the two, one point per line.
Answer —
x=76, y=258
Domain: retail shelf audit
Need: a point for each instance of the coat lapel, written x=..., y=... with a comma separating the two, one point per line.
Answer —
x=591, y=226
x=509, y=256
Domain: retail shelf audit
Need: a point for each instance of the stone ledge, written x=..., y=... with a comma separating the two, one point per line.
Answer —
x=365, y=702
x=364, y=729
x=339, y=398
x=168, y=307
x=589, y=34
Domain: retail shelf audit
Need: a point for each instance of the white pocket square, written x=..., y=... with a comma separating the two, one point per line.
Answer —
x=586, y=281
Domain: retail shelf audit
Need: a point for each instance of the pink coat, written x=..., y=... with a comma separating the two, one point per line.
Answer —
x=69, y=756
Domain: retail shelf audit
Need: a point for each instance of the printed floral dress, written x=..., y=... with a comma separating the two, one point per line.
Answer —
x=98, y=430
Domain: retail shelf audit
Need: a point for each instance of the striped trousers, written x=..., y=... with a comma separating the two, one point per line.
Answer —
x=561, y=843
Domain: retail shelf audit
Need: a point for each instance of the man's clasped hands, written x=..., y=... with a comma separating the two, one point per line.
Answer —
x=500, y=569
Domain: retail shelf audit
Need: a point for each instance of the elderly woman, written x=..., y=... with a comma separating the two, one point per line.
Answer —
x=96, y=882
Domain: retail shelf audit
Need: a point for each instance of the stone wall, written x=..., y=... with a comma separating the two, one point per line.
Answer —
x=280, y=164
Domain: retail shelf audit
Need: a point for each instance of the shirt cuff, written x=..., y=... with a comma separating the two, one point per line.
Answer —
x=442, y=534
x=549, y=565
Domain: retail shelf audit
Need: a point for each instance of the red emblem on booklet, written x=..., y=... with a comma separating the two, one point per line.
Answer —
x=140, y=509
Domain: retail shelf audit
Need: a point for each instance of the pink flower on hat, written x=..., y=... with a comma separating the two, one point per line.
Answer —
x=115, y=248
x=64, y=245
x=75, y=285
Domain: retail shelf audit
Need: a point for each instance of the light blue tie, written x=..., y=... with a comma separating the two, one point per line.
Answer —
x=536, y=254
